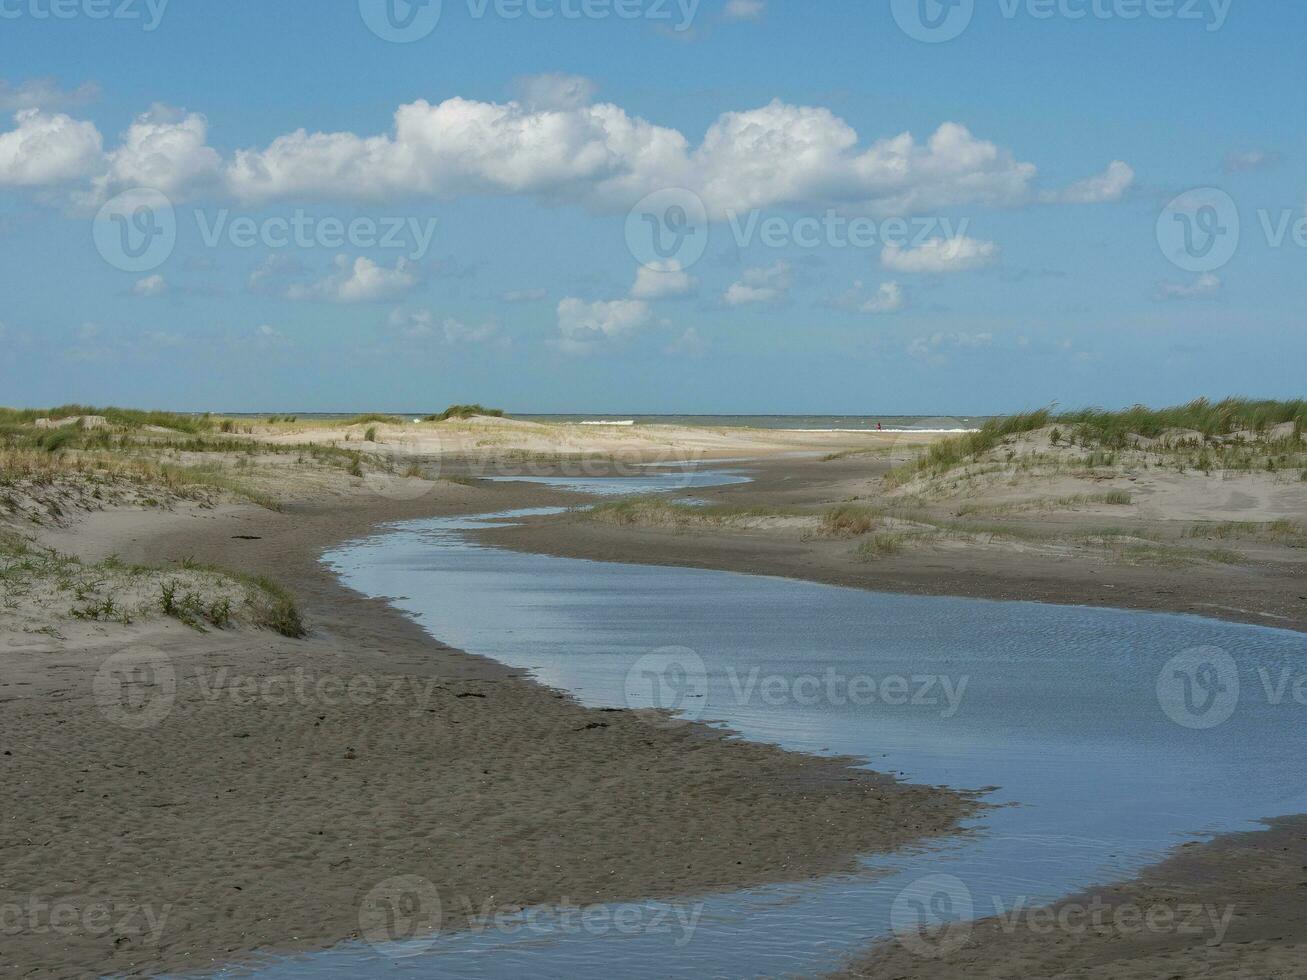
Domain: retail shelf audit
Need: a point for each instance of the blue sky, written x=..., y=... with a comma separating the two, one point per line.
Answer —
x=1053, y=166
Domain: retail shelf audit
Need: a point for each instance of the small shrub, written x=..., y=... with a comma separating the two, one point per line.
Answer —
x=848, y=520
x=219, y=613
x=371, y=434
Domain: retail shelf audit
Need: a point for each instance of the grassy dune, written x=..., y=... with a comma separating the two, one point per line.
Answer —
x=1234, y=434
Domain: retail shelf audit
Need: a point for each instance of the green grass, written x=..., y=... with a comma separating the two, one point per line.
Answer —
x=655, y=512
x=849, y=520
x=1287, y=532
x=124, y=418
x=271, y=605
x=883, y=546
x=465, y=412
x=1108, y=432
x=1115, y=498
x=374, y=417
x=1211, y=419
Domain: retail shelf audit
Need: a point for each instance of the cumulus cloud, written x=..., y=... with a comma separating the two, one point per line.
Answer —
x=151, y=286
x=44, y=93
x=662, y=280
x=360, y=281
x=583, y=326
x=1103, y=188
x=167, y=150
x=941, y=255
x=738, y=10
x=556, y=145
x=48, y=149
x=1205, y=286
x=769, y=284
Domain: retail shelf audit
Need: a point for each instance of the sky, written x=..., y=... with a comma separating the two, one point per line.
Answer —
x=934, y=207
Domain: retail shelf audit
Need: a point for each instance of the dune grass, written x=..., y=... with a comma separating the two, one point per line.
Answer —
x=1113, y=498
x=655, y=512
x=127, y=418
x=1108, y=432
x=465, y=412
x=849, y=520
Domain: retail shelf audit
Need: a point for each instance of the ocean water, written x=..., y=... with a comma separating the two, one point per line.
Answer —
x=1110, y=736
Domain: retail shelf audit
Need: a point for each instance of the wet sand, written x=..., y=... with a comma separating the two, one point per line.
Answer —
x=246, y=823
x=286, y=780
x=1234, y=908
x=1262, y=592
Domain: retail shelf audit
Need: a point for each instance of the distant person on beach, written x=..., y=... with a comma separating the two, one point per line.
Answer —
x=879, y=427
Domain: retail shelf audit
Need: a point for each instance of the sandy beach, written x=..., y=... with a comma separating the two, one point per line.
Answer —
x=276, y=783
x=289, y=778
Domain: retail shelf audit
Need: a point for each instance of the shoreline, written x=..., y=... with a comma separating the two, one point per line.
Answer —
x=258, y=826
x=1251, y=595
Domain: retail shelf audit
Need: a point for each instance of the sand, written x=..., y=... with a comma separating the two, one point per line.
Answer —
x=1268, y=586
x=244, y=822
x=1232, y=909
x=279, y=783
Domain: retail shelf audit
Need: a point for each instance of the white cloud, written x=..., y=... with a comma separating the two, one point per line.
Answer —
x=769, y=284
x=941, y=255
x=48, y=149
x=662, y=280
x=362, y=281
x=738, y=10
x=44, y=93
x=151, y=286
x=1103, y=188
x=601, y=157
x=164, y=149
x=556, y=146
x=889, y=298
x=1203, y=287
x=583, y=325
